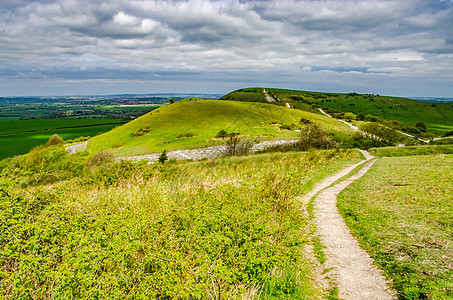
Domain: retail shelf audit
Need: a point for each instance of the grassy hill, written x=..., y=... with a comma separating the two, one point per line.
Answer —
x=194, y=122
x=437, y=116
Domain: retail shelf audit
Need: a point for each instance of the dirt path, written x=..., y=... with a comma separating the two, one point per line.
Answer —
x=349, y=265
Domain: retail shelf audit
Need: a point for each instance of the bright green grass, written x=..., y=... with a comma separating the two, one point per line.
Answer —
x=228, y=228
x=412, y=150
x=402, y=213
x=15, y=143
x=204, y=119
x=9, y=127
x=437, y=116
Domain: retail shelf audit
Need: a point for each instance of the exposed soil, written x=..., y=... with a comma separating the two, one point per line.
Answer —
x=350, y=266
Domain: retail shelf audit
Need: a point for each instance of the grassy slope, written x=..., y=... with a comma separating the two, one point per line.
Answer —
x=402, y=212
x=437, y=116
x=204, y=118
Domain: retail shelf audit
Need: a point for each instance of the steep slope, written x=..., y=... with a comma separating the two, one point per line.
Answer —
x=194, y=123
x=437, y=116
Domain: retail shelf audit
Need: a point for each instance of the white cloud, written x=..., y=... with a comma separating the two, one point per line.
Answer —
x=240, y=41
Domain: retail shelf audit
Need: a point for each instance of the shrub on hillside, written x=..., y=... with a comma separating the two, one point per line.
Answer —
x=100, y=158
x=237, y=146
x=420, y=125
x=55, y=140
x=313, y=136
x=380, y=134
x=141, y=132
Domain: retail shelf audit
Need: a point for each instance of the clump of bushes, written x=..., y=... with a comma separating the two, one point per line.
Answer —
x=223, y=134
x=141, y=132
x=185, y=135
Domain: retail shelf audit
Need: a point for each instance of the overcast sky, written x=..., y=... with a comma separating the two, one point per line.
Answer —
x=80, y=47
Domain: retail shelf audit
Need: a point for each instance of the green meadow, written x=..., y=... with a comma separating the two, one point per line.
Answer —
x=18, y=137
x=401, y=211
x=195, y=123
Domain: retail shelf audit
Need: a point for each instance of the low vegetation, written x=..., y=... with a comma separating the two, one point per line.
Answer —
x=402, y=212
x=224, y=228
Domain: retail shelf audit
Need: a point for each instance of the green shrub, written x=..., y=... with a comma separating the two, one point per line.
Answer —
x=100, y=158
x=55, y=140
x=313, y=136
x=237, y=146
x=141, y=132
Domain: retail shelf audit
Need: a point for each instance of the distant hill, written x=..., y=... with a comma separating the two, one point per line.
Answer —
x=437, y=116
x=194, y=123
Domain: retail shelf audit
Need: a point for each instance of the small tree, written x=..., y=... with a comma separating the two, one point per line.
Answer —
x=349, y=116
x=313, y=136
x=171, y=100
x=163, y=157
x=420, y=125
x=55, y=140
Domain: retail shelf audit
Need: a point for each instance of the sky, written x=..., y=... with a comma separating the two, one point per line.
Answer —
x=95, y=47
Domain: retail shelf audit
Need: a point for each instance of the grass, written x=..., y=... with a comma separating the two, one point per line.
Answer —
x=203, y=119
x=437, y=116
x=18, y=137
x=402, y=212
x=223, y=228
x=411, y=150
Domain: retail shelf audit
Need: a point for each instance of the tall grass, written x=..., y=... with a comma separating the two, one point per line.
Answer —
x=222, y=228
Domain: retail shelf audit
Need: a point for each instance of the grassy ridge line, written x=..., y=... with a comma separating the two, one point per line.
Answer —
x=204, y=119
x=437, y=116
x=402, y=212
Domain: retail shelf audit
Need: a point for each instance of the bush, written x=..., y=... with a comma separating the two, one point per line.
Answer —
x=100, y=158
x=420, y=125
x=55, y=140
x=163, y=157
x=141, y=132
x=236, y=146
x=380, y=134
x=313, y=136
x=449, y=133
x=305, y=121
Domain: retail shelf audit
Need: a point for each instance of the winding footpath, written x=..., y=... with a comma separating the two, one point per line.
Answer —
x=350, y=266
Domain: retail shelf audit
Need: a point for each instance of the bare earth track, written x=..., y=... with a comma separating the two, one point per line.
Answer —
x=350, y=266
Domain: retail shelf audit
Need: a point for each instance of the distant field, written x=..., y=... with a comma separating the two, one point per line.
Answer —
x=402, y=213
x=201, y=120
x=18, y=137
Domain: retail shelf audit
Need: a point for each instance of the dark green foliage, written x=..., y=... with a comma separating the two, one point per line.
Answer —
x=449, y=133
x=185, y=135
x=381, y=135
x=305, y=121
x=141, y=132
x=223, y=134
x=420, y=125
x=285, y=127
x=163, y=157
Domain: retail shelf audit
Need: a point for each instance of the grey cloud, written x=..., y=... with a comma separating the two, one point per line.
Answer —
x=234, y=41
